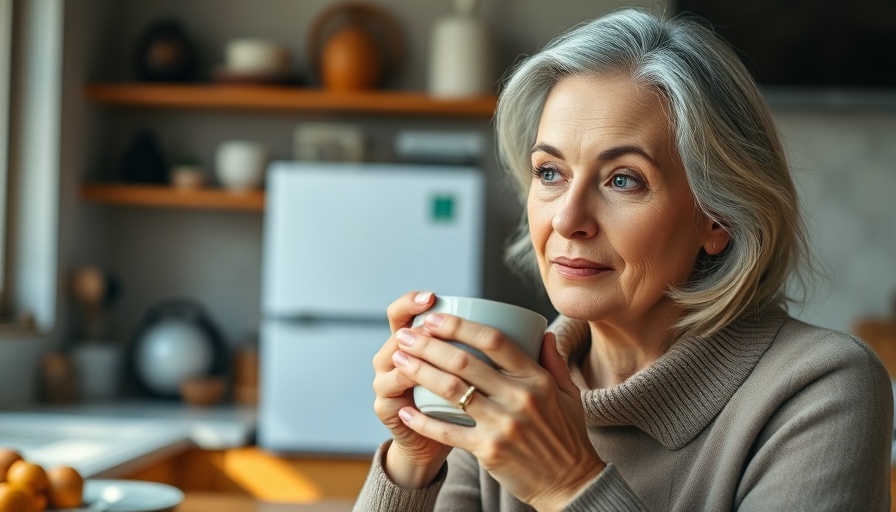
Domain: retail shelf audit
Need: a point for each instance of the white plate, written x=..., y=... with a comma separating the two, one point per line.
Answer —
x=134, y=496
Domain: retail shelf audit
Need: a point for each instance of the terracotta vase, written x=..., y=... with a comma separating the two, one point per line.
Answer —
x=354, y=46
x=351, y=59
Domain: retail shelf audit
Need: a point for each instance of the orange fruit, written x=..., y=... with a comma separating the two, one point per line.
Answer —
x=28, y=475
x=7, y=457
x=14, y=498
x=66, y=487
x=40, y=503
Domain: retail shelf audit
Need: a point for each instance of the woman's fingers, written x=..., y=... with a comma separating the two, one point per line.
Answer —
x=553, y=362
x=402, y=312
x=447, y=369
x=502, y=351
x=392, y=383
x=447, y=385
x=445, y=433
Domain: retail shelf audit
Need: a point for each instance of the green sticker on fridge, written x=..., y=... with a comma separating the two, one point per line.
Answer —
x=442, y=208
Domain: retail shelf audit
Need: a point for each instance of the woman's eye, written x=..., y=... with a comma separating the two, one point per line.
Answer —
x=624, y=182
x=546, y=174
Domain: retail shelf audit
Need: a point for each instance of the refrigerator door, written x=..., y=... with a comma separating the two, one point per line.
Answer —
x=316, y=387
x=345, y=240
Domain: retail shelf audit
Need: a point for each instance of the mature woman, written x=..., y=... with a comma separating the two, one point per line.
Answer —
x=662, y=220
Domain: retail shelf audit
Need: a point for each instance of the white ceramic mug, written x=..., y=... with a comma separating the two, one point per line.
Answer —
x=525, y=327
x=240, y=164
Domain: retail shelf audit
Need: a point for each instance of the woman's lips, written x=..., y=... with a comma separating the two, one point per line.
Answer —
x=578, y=267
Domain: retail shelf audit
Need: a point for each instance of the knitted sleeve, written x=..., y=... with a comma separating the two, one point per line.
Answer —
x=461, y=491
x=379, y=494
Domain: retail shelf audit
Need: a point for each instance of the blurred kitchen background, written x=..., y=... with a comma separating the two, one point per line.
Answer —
x=71, y=138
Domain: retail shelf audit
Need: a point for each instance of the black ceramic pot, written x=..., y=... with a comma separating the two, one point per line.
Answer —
x=143, y=161
x=165, y=53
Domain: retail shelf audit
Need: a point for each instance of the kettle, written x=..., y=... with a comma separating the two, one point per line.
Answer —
x=176, y=340
x=354, y=46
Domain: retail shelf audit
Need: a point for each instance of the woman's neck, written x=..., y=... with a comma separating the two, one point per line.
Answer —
x=619, y=351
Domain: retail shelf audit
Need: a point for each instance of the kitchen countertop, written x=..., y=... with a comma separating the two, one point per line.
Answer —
x=204, y=502
x=210, y=428
x=112, y=440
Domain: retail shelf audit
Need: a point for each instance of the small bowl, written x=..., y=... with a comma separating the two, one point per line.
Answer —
x=248, y=56
x=203, y=391
x=186, y=177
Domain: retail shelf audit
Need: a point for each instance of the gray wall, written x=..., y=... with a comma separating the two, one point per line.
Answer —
x=844, y=162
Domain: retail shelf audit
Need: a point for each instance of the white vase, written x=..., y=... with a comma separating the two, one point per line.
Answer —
x=461, y=60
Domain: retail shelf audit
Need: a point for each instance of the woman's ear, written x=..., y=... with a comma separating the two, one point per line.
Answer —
x=716, y=240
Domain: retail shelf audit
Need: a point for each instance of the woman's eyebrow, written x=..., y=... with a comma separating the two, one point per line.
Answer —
x=615, y=152
x=547, y=148
x=607, y=154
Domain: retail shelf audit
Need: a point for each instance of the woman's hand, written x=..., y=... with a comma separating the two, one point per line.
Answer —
x=412, y=461
x=530, y=432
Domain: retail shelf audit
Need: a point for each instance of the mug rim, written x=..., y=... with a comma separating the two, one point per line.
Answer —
x=490, y=301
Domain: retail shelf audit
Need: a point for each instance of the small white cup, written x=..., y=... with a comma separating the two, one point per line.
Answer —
x=255, y=57
x=240, y=164
x=525, y=327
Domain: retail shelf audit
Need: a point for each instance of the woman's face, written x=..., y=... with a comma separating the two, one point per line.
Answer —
x=611, y=215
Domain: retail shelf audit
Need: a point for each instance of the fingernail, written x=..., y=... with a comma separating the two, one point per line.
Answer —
x=434, y=320
x=405, y=415
x=422, y=297
x=405, y=337
x=400, y=358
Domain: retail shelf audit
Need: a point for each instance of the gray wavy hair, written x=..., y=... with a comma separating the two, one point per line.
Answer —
x=724, y=133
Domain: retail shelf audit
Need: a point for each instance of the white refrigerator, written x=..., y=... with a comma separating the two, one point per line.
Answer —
x=341, y=242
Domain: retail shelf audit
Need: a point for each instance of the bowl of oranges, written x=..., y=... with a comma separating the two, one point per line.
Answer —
x=28, y=487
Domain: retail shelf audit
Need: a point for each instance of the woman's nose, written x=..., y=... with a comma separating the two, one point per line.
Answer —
x=576, y=217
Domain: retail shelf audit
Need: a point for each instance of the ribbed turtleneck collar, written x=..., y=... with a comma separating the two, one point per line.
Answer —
x=677, y=396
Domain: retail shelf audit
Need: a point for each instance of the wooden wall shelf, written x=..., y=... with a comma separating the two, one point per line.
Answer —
x=163, y=196
x=280, y=98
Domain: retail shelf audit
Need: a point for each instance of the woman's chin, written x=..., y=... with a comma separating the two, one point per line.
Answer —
x=580, y=306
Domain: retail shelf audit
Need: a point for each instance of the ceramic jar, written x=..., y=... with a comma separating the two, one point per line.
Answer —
x=461, y=62
x=240, y=165
x=354, y=46
x=351, y=60
x=165, y=53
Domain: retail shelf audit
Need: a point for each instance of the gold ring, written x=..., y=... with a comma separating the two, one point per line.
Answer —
x=465, y=400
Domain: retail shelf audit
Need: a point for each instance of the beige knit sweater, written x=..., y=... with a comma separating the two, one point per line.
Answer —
x=769, y=414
